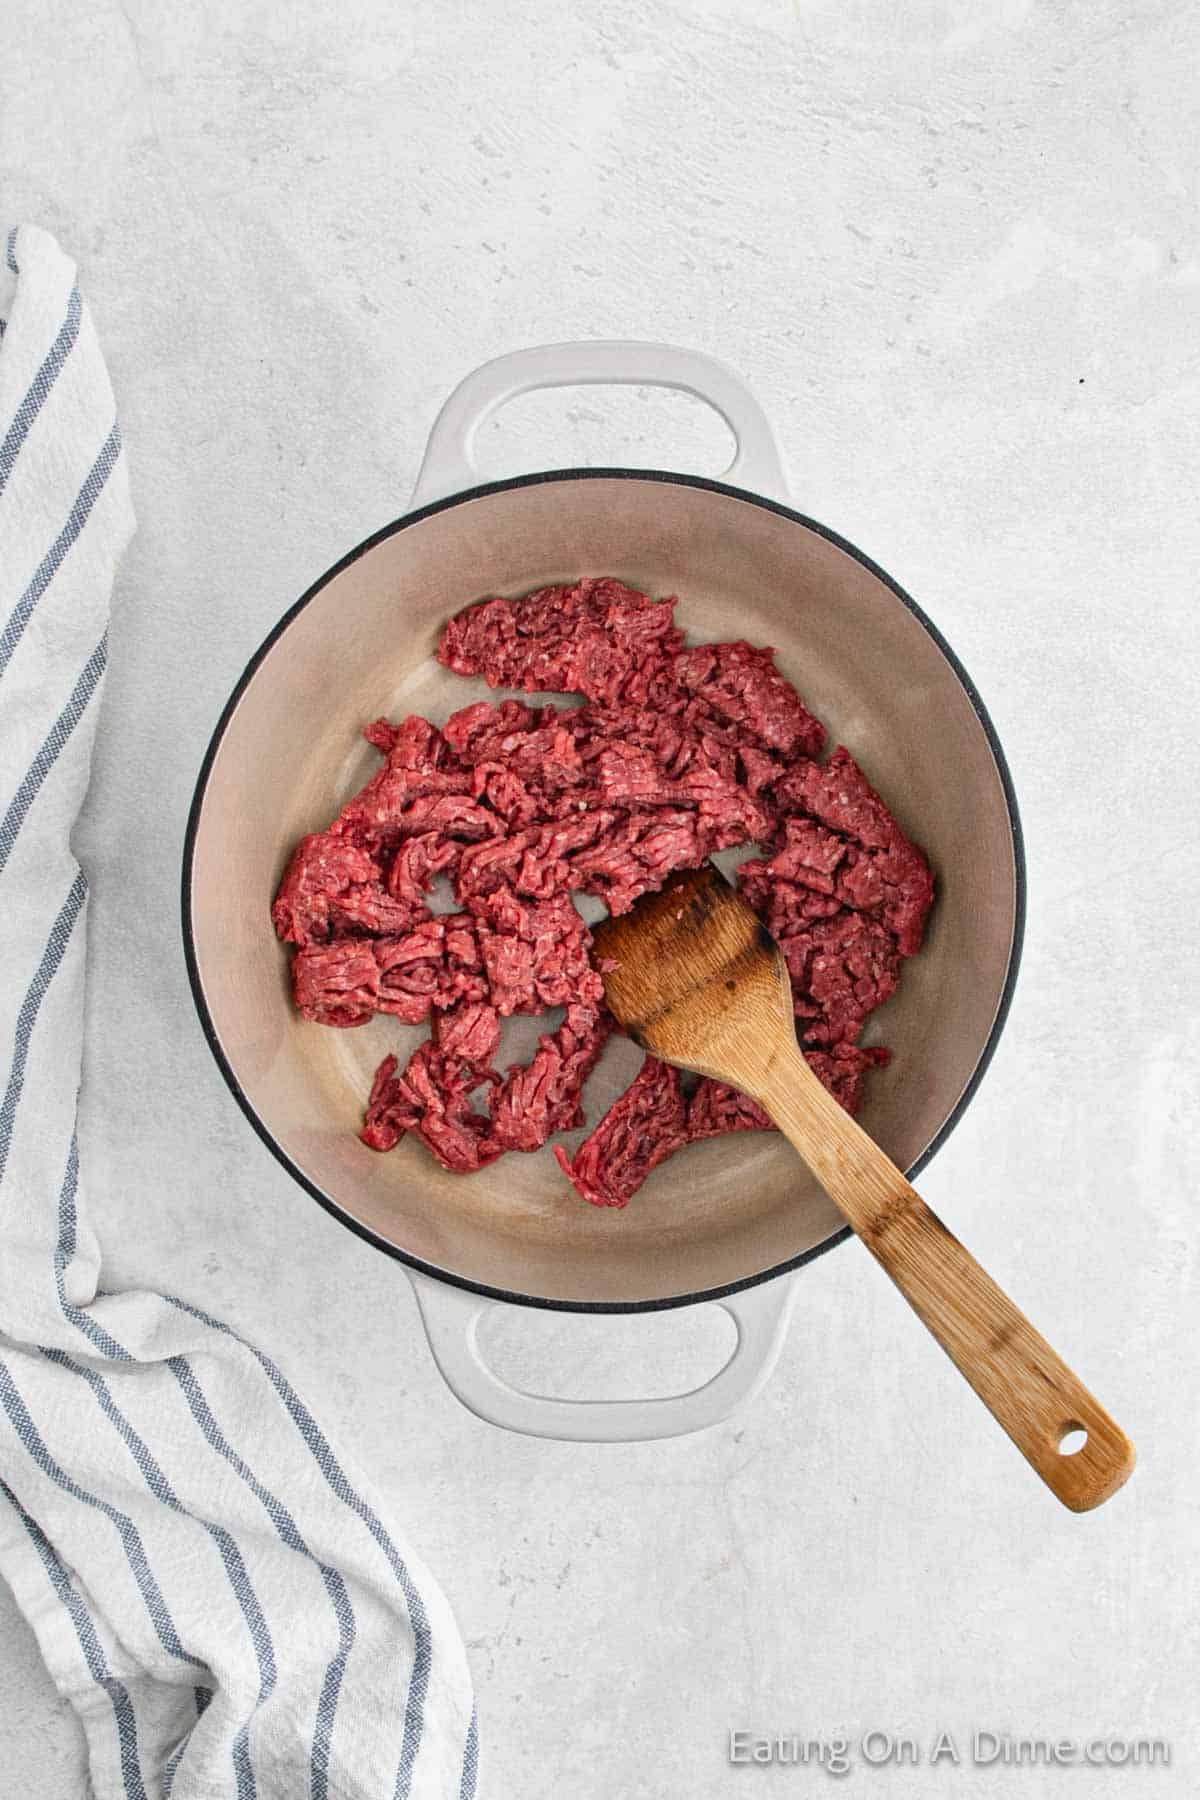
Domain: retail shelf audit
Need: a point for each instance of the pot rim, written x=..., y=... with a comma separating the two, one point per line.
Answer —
x=444, y=505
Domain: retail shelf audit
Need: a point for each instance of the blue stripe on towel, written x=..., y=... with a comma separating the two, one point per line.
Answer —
x=318, y=1444
x=158, y=1484
x=47, y=756
x=93, y=1650
x=202, y=1696
x=64, y=1250
x=285, y=1525
x=52, y=955
x=173, y=1761
x=39, y=388
x=470, y=1768
x=127, y=1531
x=231, y=1557
x=50, y=564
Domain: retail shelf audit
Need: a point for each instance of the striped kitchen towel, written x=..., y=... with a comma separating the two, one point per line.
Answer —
x=216, y=1591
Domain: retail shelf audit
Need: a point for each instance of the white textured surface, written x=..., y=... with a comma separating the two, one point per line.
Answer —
x=957, y=256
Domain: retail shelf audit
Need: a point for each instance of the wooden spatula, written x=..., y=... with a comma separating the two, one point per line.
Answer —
x=693, y=977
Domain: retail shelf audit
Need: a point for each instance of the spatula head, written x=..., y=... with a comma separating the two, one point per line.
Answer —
x=694, y=976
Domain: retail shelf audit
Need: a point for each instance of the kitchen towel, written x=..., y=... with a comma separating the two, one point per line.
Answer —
x=215, y=1590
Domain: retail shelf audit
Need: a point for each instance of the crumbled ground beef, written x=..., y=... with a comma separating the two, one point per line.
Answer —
x=432, y=1097
x=539, y=1098
x=333, y=886
x=715, y=1109
x=674, y=753
x=439, y=964
x=651, y=1120
x=882, y=873
x=535, y=952
x=640, y=1130
x=743, y=685
x=587, y=639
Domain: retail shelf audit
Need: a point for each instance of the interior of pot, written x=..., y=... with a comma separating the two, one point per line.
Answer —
x=290, y=753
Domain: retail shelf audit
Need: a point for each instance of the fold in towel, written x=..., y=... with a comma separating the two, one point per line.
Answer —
x=217, y=1593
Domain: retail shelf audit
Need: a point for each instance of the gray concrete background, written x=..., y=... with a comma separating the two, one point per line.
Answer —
x=954, y=247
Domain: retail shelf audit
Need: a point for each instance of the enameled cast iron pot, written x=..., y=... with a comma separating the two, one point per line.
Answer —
x=732, y=1220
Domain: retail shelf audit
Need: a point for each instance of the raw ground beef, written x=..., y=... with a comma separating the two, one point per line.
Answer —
x=675, y=753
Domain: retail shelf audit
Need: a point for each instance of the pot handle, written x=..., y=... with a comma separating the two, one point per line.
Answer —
x=449, y=466
x=452, y=1317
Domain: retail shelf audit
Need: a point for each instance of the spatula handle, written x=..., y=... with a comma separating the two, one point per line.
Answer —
x=1026, y=1386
